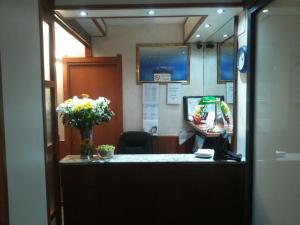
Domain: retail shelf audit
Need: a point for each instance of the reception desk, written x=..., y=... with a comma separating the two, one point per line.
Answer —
x=161, y=189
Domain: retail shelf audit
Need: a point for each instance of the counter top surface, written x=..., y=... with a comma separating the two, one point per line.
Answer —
x=141, y=158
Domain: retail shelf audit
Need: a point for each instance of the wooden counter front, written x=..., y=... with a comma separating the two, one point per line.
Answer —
x=152, y=190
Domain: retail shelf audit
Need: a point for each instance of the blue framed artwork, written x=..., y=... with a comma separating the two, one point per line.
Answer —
x=163, y=63
x=225, y=62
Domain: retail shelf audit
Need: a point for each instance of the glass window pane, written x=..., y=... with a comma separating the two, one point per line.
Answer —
x=277, y=110
x=49, y=121
x=46, y=49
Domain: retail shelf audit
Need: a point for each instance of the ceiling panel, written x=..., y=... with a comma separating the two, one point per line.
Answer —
x=162, y=16
x=138, y=21
x=89, y=27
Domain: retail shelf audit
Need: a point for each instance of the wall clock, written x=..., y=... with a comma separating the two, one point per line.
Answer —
x=242, y=59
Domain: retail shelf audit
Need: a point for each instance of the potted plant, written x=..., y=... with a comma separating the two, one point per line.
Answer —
x=83, y=114
x=105, y=151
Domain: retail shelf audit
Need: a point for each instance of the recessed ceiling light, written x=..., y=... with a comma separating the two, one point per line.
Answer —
x=225, y=35
x=151, y=12
x=83, y=13
x=220, y=11
x=266, y=11
x=197, y=35
x=207, y=25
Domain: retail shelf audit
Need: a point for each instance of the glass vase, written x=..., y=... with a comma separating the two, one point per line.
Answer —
x=86, y=143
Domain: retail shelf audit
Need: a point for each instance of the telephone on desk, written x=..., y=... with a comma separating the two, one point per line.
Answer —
x=223, y=149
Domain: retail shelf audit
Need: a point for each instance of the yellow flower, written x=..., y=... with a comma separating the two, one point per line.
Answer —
x=87, y=105
x=225, y=108
x=77, y=107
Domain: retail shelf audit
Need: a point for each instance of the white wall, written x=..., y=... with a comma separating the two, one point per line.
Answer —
x=91, y=2
x=211, y=86
x=242, y=90
x=122, y=40
x=66, y=45
x=23, y=117
x=277, y=110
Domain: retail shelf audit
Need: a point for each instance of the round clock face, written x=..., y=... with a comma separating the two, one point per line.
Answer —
x=242, y=59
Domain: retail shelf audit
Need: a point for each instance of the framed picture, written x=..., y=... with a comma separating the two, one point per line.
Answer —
x=163, y=63
x=226, y=61
x=190, y=103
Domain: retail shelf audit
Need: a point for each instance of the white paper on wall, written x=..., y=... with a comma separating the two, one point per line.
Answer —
x=174, y=93
x=150, y=93
x=151, y=126
x=150, y=108
x=150, y=111
x=229, y=92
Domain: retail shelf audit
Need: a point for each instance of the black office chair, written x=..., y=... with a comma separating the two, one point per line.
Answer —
x=135, y=142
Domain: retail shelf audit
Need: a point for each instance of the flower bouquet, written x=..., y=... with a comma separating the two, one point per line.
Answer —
x=83, y=114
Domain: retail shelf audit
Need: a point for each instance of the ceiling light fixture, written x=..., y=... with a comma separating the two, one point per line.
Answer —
x=220, y=11
x=197, y=35
x=266, y=11
x=83, y=13
x=151, y=12
x=225, y=35
x=207, y=25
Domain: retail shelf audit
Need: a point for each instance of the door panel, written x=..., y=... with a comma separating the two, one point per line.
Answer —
x=50, y=125
x=95, y=77
x=276, y=118
x=3, y=183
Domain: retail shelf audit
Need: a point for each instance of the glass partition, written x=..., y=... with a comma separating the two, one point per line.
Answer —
x=277, y=110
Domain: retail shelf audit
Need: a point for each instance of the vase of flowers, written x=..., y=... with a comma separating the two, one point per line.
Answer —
x=83, y=114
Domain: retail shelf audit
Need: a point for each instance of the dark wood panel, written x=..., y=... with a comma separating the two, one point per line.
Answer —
x=51, y=141
x=3, y=181
x=154, y=194
x=170, y=145
x=165, y=144
x=62, y=150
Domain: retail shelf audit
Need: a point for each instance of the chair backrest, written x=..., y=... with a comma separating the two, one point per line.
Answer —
x=135, y=142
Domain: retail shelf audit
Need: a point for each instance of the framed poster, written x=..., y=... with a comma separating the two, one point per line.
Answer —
x=225, y=62
x=163, y=63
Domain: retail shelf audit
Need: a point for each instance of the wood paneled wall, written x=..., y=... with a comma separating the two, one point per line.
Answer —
x=170, y=145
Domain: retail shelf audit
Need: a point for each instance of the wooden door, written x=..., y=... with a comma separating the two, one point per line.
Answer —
x=101, y=76
x=50, y=119
x=3, y=184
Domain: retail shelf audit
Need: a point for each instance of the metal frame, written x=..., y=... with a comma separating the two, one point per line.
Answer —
x=252, y=11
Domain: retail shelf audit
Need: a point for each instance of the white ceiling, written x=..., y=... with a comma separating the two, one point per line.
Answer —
x=162, y=16
x=149, y=20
